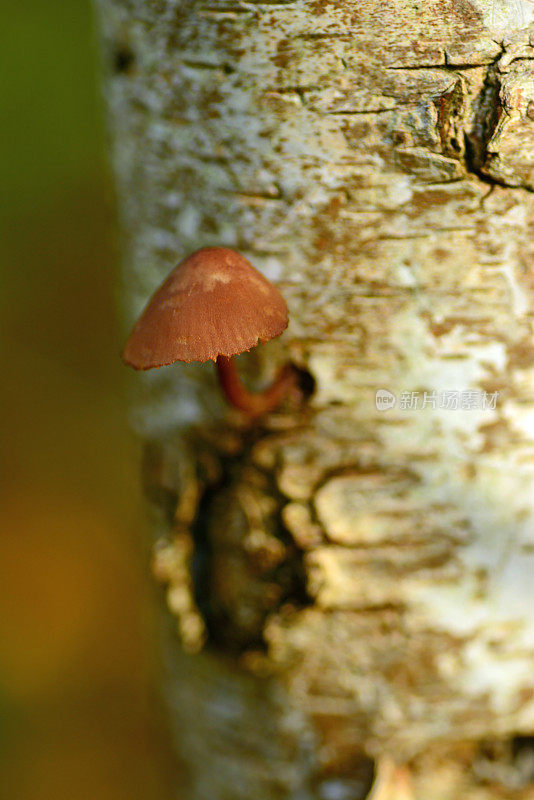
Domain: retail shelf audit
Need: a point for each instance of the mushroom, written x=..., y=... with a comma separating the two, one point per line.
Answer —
x=214, y=305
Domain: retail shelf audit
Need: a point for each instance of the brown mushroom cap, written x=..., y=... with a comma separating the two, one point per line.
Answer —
x=213, y=303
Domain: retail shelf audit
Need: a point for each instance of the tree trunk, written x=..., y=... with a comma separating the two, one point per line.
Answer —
x=352, y=580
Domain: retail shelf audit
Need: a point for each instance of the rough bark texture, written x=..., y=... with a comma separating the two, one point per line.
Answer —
x=363, y=578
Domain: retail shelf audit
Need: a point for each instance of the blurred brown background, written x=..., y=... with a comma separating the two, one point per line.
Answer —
x=77, y=647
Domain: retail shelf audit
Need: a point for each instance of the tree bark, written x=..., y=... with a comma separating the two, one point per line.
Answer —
x=352, y=583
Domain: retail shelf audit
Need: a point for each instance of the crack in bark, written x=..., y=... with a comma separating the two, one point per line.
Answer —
x=468, y=142
x=221, y=547
x=488, y=110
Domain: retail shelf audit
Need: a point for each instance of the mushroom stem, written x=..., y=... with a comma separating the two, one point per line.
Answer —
x=255, y=404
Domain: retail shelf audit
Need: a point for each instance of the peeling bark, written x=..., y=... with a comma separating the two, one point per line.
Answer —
x=351, y=584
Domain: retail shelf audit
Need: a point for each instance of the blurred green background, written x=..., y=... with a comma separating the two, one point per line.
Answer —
x=77, y=645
